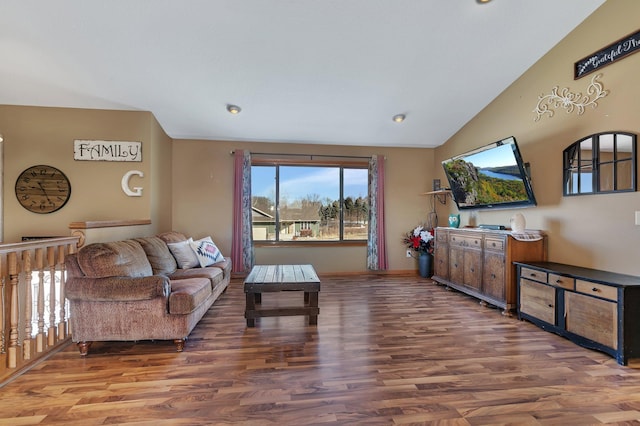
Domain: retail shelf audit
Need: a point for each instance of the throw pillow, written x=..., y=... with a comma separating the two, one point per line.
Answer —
x=184, y=254
x=161, y=259
x=207, y=252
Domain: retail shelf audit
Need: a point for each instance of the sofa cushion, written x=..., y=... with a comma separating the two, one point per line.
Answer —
x=206, y=251
x=161, y=260
x=172, y=237
x=225, y=266
x=212, y=273
x=184, y=254
x=119, y=258
x=187, y=294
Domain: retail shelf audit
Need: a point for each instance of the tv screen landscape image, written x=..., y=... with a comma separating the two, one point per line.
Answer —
x=493, y=176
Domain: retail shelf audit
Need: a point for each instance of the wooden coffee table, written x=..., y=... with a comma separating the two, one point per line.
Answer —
x=278, y=278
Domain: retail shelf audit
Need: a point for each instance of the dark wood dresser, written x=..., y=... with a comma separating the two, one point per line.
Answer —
x=595, y=309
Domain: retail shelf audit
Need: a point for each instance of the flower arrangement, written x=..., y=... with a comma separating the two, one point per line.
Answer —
x=420, y=240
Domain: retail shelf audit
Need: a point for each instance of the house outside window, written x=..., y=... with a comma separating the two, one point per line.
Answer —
x=309, y=203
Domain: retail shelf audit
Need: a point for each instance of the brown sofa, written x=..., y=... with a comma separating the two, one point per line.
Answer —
x=135, y=290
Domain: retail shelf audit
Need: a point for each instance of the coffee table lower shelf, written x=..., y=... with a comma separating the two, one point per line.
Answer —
x=279, y=278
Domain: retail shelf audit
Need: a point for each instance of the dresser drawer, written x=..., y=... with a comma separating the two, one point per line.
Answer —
x=599, y=290
x=562, y=281
x=533, y=274
x=494, y=244
x=465, y=241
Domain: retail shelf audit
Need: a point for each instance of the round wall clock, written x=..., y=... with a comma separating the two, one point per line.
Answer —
x=42, y=189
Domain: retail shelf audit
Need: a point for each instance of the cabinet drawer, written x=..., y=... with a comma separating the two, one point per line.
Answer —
x=533, y=274
x=538, y=300
x=465, y=241
x=561, y=281
x=599, y=290
x=494, y=244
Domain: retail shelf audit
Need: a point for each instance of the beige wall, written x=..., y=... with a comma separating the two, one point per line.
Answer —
x=595, y=231
x=188, y=183
x=203, y=195
x=160, y=178
x=35, y=135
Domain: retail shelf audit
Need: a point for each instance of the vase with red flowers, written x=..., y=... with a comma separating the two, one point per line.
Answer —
x=420, y=241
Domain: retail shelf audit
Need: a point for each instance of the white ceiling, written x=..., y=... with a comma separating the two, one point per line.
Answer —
x=310, y=71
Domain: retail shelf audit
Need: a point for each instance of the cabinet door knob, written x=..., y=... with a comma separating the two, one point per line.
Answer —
x=493, y=276
x=550, y=305
x=595, y=289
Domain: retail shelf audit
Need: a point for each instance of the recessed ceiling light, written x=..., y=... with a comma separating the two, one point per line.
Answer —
x=399, y=118
x=234, y=109
x=483, y=1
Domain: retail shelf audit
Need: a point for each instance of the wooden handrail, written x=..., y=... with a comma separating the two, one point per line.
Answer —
x=107, y=223
x=45, y=242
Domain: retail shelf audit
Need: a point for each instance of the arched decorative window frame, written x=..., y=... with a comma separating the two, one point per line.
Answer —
x=580, y=164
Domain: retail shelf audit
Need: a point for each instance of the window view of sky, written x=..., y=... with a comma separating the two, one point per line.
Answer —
x=300, y=182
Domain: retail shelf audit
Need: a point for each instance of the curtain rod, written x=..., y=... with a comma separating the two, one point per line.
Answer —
x=307, y=155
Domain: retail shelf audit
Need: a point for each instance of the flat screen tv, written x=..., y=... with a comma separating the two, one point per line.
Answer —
x=492, y=176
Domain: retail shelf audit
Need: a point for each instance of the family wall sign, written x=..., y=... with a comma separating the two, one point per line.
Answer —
x=95, y=150
x=608, y=55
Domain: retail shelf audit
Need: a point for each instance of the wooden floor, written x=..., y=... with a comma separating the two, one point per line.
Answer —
x=387, y=350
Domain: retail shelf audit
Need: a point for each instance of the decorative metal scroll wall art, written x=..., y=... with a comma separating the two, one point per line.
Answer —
x=564, y=98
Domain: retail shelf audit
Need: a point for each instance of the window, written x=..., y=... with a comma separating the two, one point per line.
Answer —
x=604, y=162
x=303, y=202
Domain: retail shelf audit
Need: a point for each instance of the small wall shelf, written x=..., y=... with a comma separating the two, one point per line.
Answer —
x=440, y=195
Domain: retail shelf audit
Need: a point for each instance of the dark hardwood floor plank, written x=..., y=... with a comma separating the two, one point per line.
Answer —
x=387, y=350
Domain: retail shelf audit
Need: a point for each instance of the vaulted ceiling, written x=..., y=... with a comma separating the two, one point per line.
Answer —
x=307, y=71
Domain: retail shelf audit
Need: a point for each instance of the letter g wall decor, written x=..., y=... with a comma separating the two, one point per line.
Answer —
x=137, y=190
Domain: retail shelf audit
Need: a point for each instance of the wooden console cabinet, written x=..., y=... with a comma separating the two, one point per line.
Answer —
x=595, y=309
x=479, y=262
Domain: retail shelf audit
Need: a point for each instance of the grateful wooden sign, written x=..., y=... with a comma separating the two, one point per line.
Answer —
x=608, y=55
